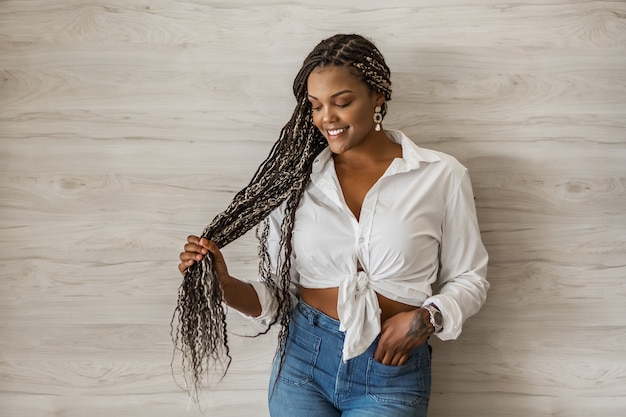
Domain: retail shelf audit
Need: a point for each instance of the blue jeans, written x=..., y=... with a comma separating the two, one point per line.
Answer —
x=315, y=382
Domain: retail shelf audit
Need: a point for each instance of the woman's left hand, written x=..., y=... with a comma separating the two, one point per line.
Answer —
x=402, y=333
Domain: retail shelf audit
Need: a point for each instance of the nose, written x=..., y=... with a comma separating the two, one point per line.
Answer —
x=328, y=115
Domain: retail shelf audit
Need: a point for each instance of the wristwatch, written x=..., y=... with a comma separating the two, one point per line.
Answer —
x=436, y=319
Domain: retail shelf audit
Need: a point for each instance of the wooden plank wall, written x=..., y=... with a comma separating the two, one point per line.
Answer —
x=126, y=125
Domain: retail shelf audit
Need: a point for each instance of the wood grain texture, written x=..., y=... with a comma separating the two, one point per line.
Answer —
x=127, y=125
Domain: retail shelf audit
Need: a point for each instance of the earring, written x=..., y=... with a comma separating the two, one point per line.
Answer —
x=378, y=117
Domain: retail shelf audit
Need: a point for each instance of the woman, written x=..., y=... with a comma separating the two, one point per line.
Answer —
x=359, y=222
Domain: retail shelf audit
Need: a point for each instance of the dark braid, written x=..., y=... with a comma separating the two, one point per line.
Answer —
x=200, y=329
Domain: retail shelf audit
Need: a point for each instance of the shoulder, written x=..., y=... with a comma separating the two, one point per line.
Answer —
x=450, y=174
x=435, y=160
x=433, y=167
x=448, y=163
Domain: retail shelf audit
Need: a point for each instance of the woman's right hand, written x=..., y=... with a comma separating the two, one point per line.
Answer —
x=195, y=250
x=237, y=294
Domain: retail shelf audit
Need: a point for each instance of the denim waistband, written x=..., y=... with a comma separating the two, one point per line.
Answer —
x=317, y=317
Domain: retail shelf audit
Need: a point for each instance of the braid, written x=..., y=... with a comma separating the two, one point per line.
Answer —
x=199, y=319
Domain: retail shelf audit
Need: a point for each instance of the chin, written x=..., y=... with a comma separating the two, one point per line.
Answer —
x=338, y=150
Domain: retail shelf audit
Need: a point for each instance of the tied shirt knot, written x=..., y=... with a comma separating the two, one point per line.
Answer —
x=359, y=314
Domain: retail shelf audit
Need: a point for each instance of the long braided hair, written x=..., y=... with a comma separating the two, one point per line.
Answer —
x=199, y=320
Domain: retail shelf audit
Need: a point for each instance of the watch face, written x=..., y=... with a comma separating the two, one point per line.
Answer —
x=438, y=318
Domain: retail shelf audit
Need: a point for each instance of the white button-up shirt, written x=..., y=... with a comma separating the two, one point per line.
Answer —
x=417, y=224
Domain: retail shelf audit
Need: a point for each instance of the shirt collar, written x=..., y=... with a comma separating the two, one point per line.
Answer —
x=412, y=156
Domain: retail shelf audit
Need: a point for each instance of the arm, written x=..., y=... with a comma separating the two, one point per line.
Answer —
x=463, y=262
x=252, y=299
x=463, y=287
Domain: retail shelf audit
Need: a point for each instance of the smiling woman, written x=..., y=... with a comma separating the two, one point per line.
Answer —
x=342, y=109
x=354, y=302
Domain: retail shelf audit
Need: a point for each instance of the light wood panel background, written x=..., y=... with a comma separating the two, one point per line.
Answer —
x=126, y=125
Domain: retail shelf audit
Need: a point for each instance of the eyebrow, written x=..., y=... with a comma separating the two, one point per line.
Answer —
x=334, y=95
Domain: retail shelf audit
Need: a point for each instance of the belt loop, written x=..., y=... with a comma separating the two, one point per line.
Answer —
x=313, y=315
x=306, y=311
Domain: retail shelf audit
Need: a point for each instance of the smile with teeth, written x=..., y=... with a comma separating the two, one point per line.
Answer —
x=336, y=132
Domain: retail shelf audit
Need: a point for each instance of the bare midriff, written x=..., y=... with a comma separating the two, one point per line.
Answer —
x=325, y=300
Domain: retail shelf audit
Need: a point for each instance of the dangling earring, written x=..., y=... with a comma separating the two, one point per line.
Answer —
x=378, y=117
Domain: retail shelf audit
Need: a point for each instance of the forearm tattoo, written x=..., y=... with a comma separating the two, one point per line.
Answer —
x=418, y=328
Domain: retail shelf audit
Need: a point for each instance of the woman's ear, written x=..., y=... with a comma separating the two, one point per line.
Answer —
x=380, y=98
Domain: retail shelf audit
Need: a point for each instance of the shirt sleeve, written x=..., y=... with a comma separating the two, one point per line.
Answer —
x=463, y=263
x=267, y=299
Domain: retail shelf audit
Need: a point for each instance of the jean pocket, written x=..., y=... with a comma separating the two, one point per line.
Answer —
x=407, y=384
x=300, y=356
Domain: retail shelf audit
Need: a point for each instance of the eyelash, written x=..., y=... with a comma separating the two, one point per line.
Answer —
x=341, y=106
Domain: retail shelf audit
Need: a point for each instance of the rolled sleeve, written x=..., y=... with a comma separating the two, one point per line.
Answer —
x=269, y=306
x=463, y=282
